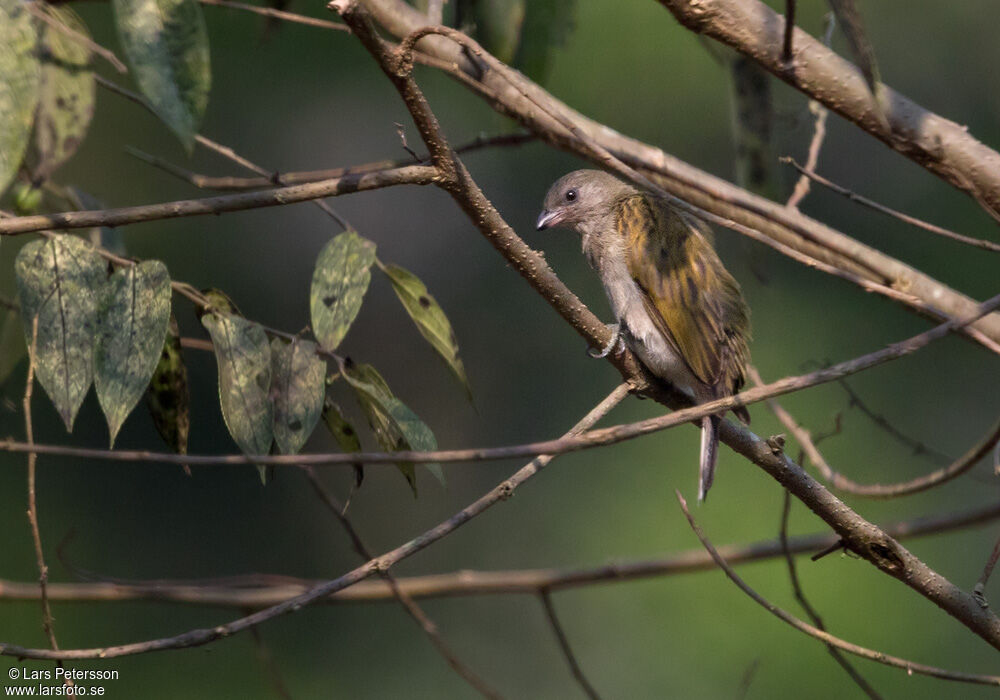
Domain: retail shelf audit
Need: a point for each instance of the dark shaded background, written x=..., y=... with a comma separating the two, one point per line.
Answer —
x=309, y=99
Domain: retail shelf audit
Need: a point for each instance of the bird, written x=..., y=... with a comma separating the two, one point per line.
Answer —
x=676, y=306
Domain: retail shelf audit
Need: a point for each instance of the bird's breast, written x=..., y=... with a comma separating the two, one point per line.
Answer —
x=639, y=331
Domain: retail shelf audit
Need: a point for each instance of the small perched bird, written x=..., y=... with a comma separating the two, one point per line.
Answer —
x=677, y=308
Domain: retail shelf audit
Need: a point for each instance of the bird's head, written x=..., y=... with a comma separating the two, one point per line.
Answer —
x=581, y=196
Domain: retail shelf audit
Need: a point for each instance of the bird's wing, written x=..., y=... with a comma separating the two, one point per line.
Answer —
x=692, y=299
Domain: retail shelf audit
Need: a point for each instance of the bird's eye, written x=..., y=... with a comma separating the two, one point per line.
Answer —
x=571, y=195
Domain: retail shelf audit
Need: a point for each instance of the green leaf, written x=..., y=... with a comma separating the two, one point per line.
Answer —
x=244, y=359
x=167, y=44
x=19, y=79
x=344, y=433
x=131, y=325
x=66, y=97
x=429, y=317
x=168, y=398
x=297, y=389
x=396, y=427
x=59, y=281
x=340, y=280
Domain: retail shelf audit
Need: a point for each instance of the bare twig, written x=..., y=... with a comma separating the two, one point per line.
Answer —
x=800, y=596
x=348, y=184
x=295, y=178
x=883, y=658
x=278, y=14
x=819, y=112
x=262, y=590
x=808, y=172
x=567, y=650
x=413, y=610
x=786, y=47
x=199, y=637
x=266, y=660
x=36, y=537
x=276, y=178
x=919, y=448
x=48, y=625
x=979, y=590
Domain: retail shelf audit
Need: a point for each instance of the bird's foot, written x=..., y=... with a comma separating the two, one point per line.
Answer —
x=616, y=339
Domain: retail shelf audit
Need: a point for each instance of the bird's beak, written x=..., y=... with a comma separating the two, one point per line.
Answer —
x=547, y=219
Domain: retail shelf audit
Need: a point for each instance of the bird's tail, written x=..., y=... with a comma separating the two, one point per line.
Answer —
x=709, y=454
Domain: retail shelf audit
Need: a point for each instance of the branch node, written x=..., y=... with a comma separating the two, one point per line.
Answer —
x=777, y=443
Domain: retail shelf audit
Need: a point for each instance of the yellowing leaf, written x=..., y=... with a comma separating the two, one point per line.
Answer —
x=429, y=317
x=339, y=283
x=396, y=427
x=344, y=433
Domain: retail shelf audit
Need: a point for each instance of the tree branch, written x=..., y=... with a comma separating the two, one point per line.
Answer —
x=334, y=187
x=259, y=591
x=933, y=142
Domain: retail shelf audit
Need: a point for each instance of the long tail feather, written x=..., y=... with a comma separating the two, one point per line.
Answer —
x=709, y=454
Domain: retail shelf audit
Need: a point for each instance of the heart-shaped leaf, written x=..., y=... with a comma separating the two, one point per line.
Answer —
x=131, y=325
x=297, y=389
x=59, y=281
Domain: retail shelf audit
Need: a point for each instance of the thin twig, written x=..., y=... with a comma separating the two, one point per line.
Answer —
x=278, y=14
x=266, y=660
x=818, y=110
x=979, y=590
x=880, y=421
x=276, y=178
x=809, y=172
x=800, y=596
x=263, y=590
x=747, y=678
x=48, y=625
x=413, y=610
x=229, y=183
x=198, y=637
x=905, y=488
x=76, y=36
x=36, y=537
x=881, y=657
x=567, y=650
x=593, y=438
x=349, y=184
x=786, y=50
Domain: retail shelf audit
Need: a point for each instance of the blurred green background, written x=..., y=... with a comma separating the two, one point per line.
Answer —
x=308, y=98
